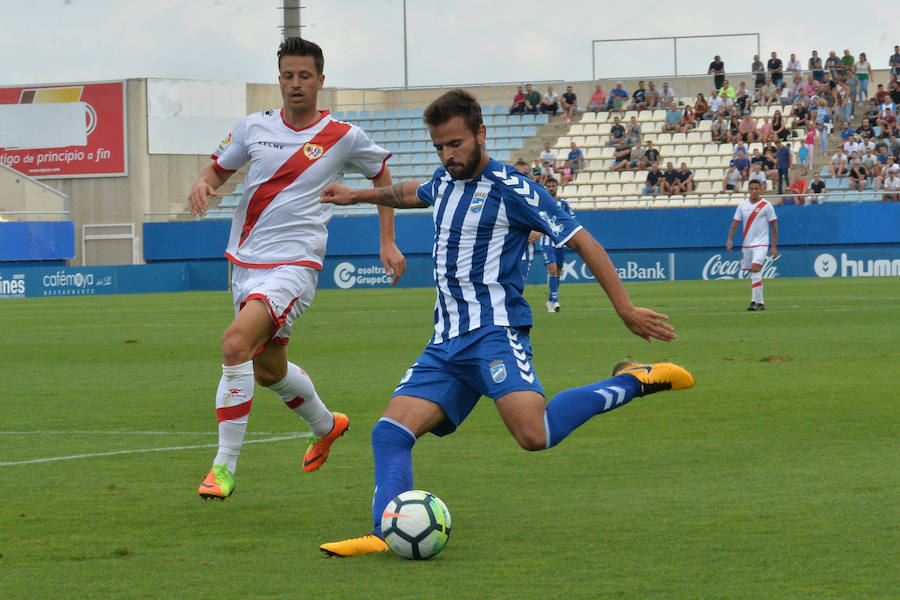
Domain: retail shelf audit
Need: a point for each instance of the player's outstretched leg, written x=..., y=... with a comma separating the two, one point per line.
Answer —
x=571, y=408
x=392, y=445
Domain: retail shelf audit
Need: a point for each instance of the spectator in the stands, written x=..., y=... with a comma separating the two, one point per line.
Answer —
x=732, y=180
x=848, y=61
x=638, y=98
x=685, y=179
x=532, y=99
x=784, y=94
x=617, y=98
x=844, y=102
x=768, y=93
x=778, y=126
x=616, y=132
x=652, y=95
x=838, y=164
x=548, y=155
x=846, y=131
x=759, y=72
x=652, y=183
x=688, y=119
x=727, y=90
x=728, y=106
x=748, y=130
x=766, y=164
x=717, y=70
x=734, y=129
x=857, y=176
x=638, y=156
x=716, y=104
x=800, y=114
x=809, y=142
x=776, y=70
x=815, y=66
x=575, y=159
x=864, y=74
x=833, y=65
x=522, y=167
x=756, y=174
x=890, y=183
x=518, y=103
x=817, y=187
x=765, y=131
x=598, y=99
x=673, y=116
x=701, y=107
x=741, y=163
x=887, y=121
x=865, y=130
x=621, y=157
x=667, y=96
x=894, y=61
x=870, y=162
x=721, y=132
x=537, y=170
x=569, y=103
x=793, y=66
x=798, y=189
x=633, y=131
x=550, y=101
x=669, y=184
x=784, y=159
x=651, y=156
x=743, y=101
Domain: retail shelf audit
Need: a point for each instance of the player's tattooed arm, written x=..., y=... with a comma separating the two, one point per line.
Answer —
x=392, y=196
x=399, y=195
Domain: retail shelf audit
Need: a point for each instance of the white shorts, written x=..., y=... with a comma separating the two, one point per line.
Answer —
x=287, y=291
x=753, y=256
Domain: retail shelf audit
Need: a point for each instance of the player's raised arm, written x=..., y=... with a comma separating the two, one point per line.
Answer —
x=642, y=322
x=399, y=195
x=207, y=183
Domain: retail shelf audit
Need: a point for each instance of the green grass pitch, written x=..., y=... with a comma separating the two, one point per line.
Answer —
x=777, y=476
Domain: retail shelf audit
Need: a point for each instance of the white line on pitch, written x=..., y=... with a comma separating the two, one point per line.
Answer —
x=145, y=450
x=100, y=432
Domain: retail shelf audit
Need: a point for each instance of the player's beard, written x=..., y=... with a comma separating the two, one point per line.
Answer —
x=468, y=169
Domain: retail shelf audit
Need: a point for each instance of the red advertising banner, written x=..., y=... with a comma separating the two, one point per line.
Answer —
x=70, y=130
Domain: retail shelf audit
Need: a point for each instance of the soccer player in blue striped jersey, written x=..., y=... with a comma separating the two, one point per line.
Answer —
x=554, y=254
x=483, y=214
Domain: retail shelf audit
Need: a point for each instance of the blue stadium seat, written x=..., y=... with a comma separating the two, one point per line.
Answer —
x=350, y=114
x=391, y=124
x=503, y=144
x=541, y=119
x=515, y=132
x=869, y=196
x=363, y=114
x=500, y=132
x=405, y=134
x=422, y=135
x=404, y=147
x=392, y=136
x=229, y=201
x=514, y=120
x=379, y=136
x=406, y=113
x=379, y=114
x=500, y=119
x=529, y=131
x=516, y=143
x=419, y=146
x=418, y=112
x=528, y=119
x=239, y=188
x=392, y=113
x=406, y=124
x=502, y=156
x=338, y=114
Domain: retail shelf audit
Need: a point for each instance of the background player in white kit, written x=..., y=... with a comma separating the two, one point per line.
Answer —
x=277, y=245
x=757, y=215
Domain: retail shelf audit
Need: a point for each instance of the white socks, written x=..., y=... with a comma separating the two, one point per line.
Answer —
x=299, y=394
x=233, y=401
x=756, y=287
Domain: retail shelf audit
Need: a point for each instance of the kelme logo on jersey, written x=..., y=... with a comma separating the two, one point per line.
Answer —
x=498, y=371
x=313, y=151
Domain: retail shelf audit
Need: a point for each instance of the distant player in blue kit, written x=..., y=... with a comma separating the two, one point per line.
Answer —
x=554, y=255
x=484, y=212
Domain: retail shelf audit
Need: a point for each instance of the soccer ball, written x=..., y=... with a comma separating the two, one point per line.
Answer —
x=416, y=525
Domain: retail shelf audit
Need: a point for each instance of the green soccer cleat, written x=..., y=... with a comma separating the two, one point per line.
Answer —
x=656, y=377
x=219, y=483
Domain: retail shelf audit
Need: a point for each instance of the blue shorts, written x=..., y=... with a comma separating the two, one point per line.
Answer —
x=489, y=361
x=552, y=254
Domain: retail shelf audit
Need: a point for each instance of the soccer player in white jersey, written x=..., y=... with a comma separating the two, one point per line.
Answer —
x=277, y=246
x=554, y=255
x=483, y=214
x=757, y=215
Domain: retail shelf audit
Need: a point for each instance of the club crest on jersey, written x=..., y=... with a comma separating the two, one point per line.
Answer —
x=313, y=151
x=223, y=144
x=477, y=202
x=498, y=371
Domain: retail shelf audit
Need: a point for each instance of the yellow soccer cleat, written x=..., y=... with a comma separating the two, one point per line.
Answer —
x=366, y=544
x=656, y=377
x=219, y=483
x=317, y=452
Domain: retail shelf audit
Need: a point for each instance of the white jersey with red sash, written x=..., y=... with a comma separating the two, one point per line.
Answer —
x=756, y=218
x=280, y=220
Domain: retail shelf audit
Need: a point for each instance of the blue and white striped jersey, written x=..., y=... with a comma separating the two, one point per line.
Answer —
x=481, y=229
x=547, y=240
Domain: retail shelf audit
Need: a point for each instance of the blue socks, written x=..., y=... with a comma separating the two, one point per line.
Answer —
x=392, y=445
x=553, y=283
x=570, y=409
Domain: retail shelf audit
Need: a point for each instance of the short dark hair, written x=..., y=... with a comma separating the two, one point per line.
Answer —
x=297, y=46
x=752, y=181
x=521, y=162
x=455, y=103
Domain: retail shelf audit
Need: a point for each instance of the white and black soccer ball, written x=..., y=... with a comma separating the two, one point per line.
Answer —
x=416, y=525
